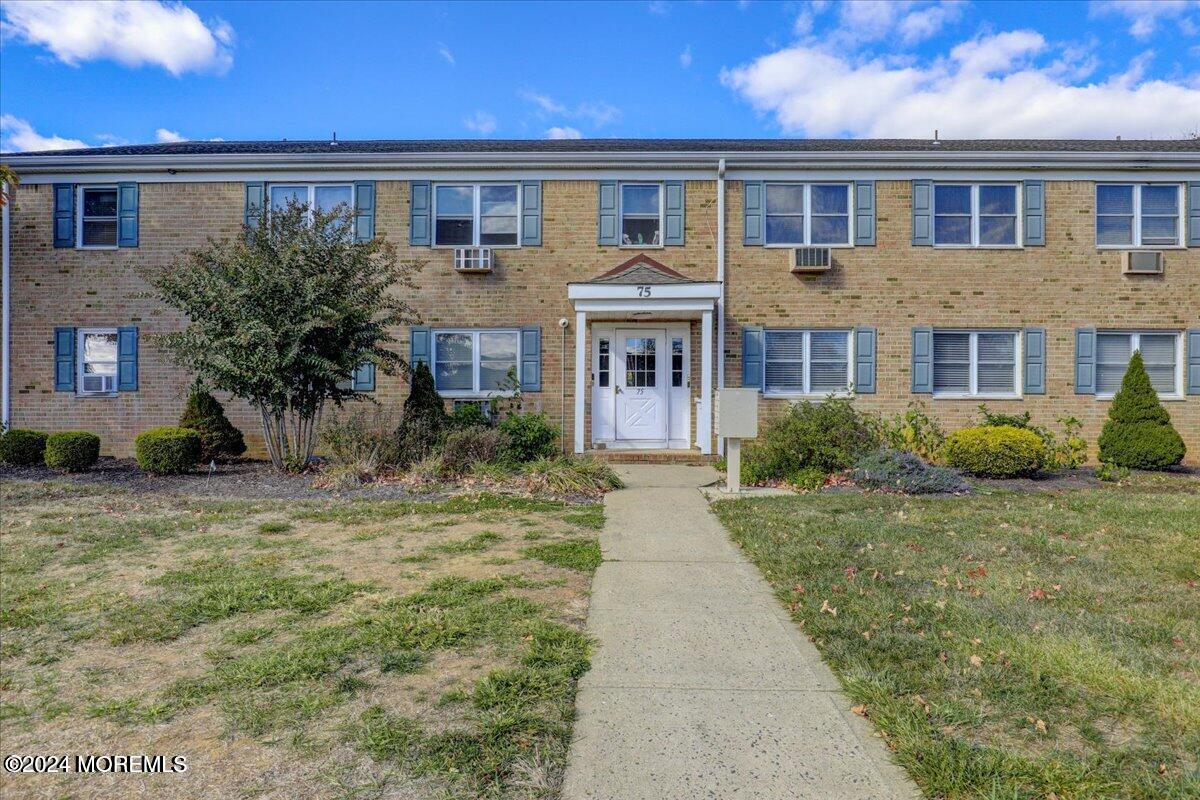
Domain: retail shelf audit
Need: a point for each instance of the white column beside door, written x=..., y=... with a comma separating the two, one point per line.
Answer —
x=582, y=363
x=704, y=418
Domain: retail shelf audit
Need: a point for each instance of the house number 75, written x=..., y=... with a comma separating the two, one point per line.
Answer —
x=643, y=291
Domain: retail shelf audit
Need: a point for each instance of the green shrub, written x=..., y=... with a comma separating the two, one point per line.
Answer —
x=1111, y=473
x=167, y=450
x=1068, y=453
x=72, y=451
x=22, y=448
x=901, y=471
x=204, y=414
x=1138, y=433
x=528, y=437
x=470, y=415
x=463, y=449
x=995, y=451
x=914, y=431
x=424, y=421
x=828, y=436
x=808, y=479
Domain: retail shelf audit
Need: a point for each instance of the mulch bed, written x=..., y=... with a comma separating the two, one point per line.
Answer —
x=243, y=479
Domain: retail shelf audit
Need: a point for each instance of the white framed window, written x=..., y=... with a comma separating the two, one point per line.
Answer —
x=1161, y=352
x=1139, y=214
x=476, y=215
x=807, y=362
x=641, y=214
x=475, y=362
x=97, y=221
x=976, y=215
x=319, y=196
x=96, y=351
x=804, y=214
x=976, y=363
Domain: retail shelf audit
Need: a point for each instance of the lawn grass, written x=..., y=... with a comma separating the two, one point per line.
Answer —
x=1006, y=645
x=311, y=649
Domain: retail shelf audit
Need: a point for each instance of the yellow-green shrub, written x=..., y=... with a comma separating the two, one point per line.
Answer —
x=995, y=451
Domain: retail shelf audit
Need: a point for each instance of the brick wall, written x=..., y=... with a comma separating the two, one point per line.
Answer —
x=892, y=286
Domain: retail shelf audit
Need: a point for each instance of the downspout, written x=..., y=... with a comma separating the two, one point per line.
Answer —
x=5, y=377
x=721, y=282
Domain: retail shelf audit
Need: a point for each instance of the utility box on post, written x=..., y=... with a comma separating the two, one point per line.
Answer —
x=737, y=419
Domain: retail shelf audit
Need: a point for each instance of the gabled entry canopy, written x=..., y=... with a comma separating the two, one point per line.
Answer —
x=642, y=285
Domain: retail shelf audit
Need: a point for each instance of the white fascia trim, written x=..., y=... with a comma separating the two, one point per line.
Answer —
x=657, y=292
x=631, y=306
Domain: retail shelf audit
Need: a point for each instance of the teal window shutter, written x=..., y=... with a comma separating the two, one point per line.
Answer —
x=64, y=359
x=753, y=195
x=752, y=357
x=674, y=194
x=420, y=207
x=1035, y=360
x=364, y=215
x=256, y=194
x=531, y=359
x=607, y=232
x=1035, y=214
x=1193, y=361
x=864, y=213
x=1193, y=206
x=127, y=215
x=127, y=359
x=922, y=360
x=64, y=217
x=531, y=213
x=864, y=360
x=363, y=379
x=922, y=214
x=418, y=346
x=1085, y=361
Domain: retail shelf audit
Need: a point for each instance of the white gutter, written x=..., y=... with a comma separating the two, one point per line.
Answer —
x=5, y=378
x=721, y=282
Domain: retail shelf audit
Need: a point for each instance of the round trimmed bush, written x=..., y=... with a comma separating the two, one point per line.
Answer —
x=167, y=450
x=22, y=448
x=72, y=451
x=995, y=451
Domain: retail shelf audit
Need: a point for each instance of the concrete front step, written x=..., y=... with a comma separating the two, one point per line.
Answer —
x=690, y=457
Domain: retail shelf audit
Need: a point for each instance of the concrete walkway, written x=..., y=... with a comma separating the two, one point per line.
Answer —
x=701, y=686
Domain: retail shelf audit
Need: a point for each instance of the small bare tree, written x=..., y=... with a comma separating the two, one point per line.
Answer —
x=283, y=316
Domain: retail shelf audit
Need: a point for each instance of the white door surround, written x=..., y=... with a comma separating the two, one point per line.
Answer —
x=654, y=293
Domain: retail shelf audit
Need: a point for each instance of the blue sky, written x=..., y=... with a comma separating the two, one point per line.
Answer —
x=103, y=73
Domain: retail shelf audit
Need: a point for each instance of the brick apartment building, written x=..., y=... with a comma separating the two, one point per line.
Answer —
x=625, y=280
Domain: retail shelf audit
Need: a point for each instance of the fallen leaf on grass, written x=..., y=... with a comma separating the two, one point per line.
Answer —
x=860, y=710
x=976, y=661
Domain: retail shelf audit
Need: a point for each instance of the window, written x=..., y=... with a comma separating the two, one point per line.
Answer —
x=801, y=214
x=970, y=363
x=1137, y=215
x=322, y=197
x=677, y=362
x=641, y=362
x=641, y=214
x=98, y=216
x=1159, y=350
x=476, y=215
x=603, y=368
x=97, y=350
x=474, y=361
x=807, y=362
x=975, y=215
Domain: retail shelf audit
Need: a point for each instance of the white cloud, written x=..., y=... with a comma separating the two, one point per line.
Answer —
x=481, y=122
x=565, y=132
x=924, y=23
x=908, y=21
x=597, y=112
x=445, y=53
x=168, y=35
x=166, y=136
x=17, y=135
x=986, y=87
x=1144, y=16
x=685, y=58
x=659, y=7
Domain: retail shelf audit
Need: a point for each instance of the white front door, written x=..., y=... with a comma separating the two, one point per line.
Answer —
x=640, y=388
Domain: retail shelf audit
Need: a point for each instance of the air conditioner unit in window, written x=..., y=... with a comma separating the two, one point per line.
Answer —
x=812, y=259
x=1142, y=262
x=99, y=383
x=473, y=259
